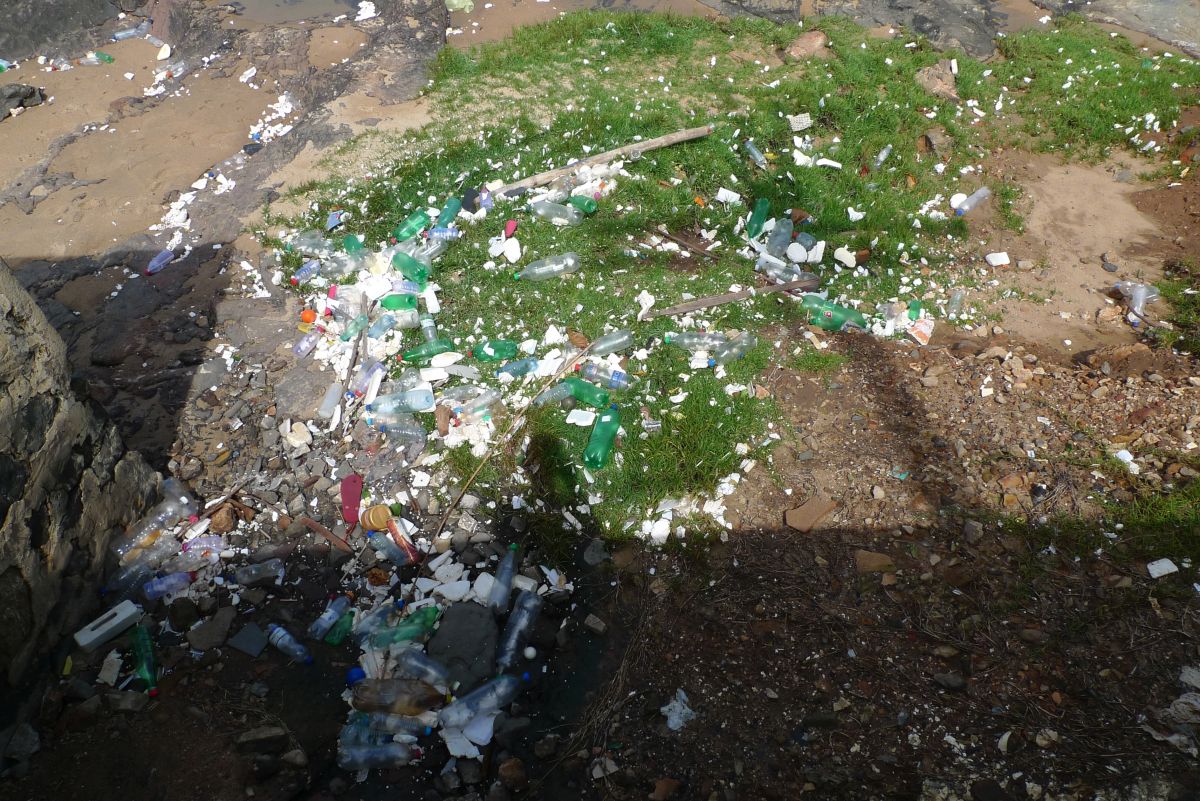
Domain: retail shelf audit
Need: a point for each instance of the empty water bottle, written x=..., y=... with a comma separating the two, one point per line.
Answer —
x=307, y=343
x=955, y=304
x=502, y=585
x=353, y=327
x=428, y=327
x=385, y=323
x=167, y=585
x=555, y=394
x=321, y=626
x=780, y=237
x=477, y=408
x=141, y=29
x=973, y=200
x=612, y=342
x=282, y=639
x=177, y=504
x=414, y=664
x=696, y=340
x=403, y=286
x=734, y=350
x=603, y=438
x=551, y=267
x=307, y=271
x=329, y=404
x=444, y=234
x=883, y=156
x=519, y=367
x=160, y=261
x=556, y=213
x=252, y=574
x=756, y=155
x=365, y=375
x=414, y=400
x=605, y=376
x=376, y=619
x=520, y=625
x=491, y=697
x=388, y=549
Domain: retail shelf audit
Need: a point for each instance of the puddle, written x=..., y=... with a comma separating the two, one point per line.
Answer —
x=274, y=12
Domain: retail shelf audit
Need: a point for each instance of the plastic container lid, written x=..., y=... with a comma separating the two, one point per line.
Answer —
x=354, y=675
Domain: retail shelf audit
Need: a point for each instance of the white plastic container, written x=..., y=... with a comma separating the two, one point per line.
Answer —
x=108, y=625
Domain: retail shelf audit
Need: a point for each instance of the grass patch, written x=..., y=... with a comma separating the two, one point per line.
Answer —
x=821, y=362
x=592, y=81
x=1181, y=290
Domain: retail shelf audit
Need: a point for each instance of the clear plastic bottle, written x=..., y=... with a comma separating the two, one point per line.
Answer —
x=519, y=367
x=603, y=438
x=399, y=426
x=520, y=625
x=246, y=575
x=955, y=304
x=416, y=626
x=612, y=342
x=167, y=585
x=395, y=696
x=556, y=213
x=734, y=350
x=551, y=267
x=353, y=327
x=756, y=155
x=411, y=377
x=386, y=547
x=555, y=394
x=375, y=619
x=387, y=723
x=478, y=407
x=160, y=261
x=307, y=272
x=172, y=71
x=696, y=340
x=882, y=157
x=282, y=639
x=448, y=234
x=385, y=323
x=973, y=200
x=329, y=404
x=140, y=30
x=605, y=376
x=780, y=237
x=177, y=503
x=307, y=343
x=385, y=755
x=365, y=375
x=428, y=328
x=493, y=696
x=414, y=664
x=502, y=586
x=413, y=400
x=310, y=242
x=334, y=610
x=403, y=286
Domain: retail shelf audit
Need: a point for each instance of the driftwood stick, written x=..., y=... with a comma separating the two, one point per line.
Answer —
x=543, y=178
x=691, y=247
x=733, y=297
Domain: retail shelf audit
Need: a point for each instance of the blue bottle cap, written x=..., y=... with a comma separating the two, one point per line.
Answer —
x=354, y=675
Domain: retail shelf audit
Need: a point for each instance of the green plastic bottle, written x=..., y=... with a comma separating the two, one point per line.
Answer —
x=604, y=436
x=143, y=659
x=587, y=205
x=758, y=217
x=417, y=222
x=427, y=350
x=352, y=244
x=585, y=392
x=354, y=326
x=105, y=57
x=398, y=302
x=413, y=627
x=341, y=630
x=494, y=350
x=410, y=268
x=830, y=316
x=449, y=212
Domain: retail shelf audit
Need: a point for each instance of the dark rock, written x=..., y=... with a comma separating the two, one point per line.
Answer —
x=19, y=95
x=951, y=681
x=212, y=632
x=512, y=774
x=447, y=781
x=79, y=690
x=266, y=766
x=497, y=792
x=127, y=701
x=470, y=771
x=250, y=640
x=547, y=746
x=182, y=614
x=989, y=790
x=595, y=553
x=263, y=740
x=465, y=643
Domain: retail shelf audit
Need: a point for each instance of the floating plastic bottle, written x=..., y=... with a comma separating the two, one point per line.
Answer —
x=167, y=585
x=386, y=755
x=502, y=586
x=696, y=340
x=756, y=155
x=426, y=351
x=251, y=574
x=555, y=394
x=414, y=400
x=160, y=261
x=491, y=697
x=734, y=350
x=882, y=157
x=605, y=376
x=333, y=612
x=282, y=639
x=365, y=375
x=780, y=237
x=413, y=225
x=494, y=350
x=604, y=436
x=556, y=213
x=758, y=217
x=519, y=367
x=587, y=393
x=307, y=272
x=551, y=267
x=329, y=404
x=612, y=342
x=354, y=327
x=145, y=667
x=973, y=200
x=307, y=343
x=830, y=316
x=413, y=664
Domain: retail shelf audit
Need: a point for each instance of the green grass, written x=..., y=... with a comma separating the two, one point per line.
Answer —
x=821, y=362
x=1181, y=291
x=591, y=81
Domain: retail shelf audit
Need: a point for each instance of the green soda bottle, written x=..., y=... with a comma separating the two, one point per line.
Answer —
x=426, y=351
x=341, y=629
x=413, y=627
x=398, y=302
x=410, y=268
x=604, y=435
x=105, y=57
x=758, y=217
x=417, y=222
x=449, y=212
x=587, y=205
x=352, y=244
x=143, y=659
x=830, y=316
x=494, y=350
x=585, y=392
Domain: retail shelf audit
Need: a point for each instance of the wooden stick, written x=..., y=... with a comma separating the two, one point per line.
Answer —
x=733, y=297
x=682, y=243
x=543, y=178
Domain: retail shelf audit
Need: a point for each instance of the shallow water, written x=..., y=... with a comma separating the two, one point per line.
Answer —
x=273, y=12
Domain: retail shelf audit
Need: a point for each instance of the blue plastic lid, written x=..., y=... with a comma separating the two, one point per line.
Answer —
x=354, y=675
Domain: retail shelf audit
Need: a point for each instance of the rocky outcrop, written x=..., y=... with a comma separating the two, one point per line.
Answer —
x=67, y=483
x=26, y=26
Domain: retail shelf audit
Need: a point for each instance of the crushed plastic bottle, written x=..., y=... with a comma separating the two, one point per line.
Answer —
x=1137, y=296
x=556, y=213
x=830, y=316
x=329, y=404
x=612, y=342
x=282, y=639
x=491, y=697
x=376, y=619
x=605, y=376
x=551, y=267
x=340, y=630
x=333, y=612
x=380, y=327
x=177, y=504
x=395, y=696
x=167, y=585
x=973, y=200
x=955, y=304
x=414, y=664
x=734, y=350
x=603, y=438
x=415, y=627
x=696, y=340
x=365, y=375
x=308, y=343
x=387, y=723
x=780, y=237
x=502, y=586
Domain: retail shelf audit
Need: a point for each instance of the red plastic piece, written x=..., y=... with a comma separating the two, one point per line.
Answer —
x=352, y=486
